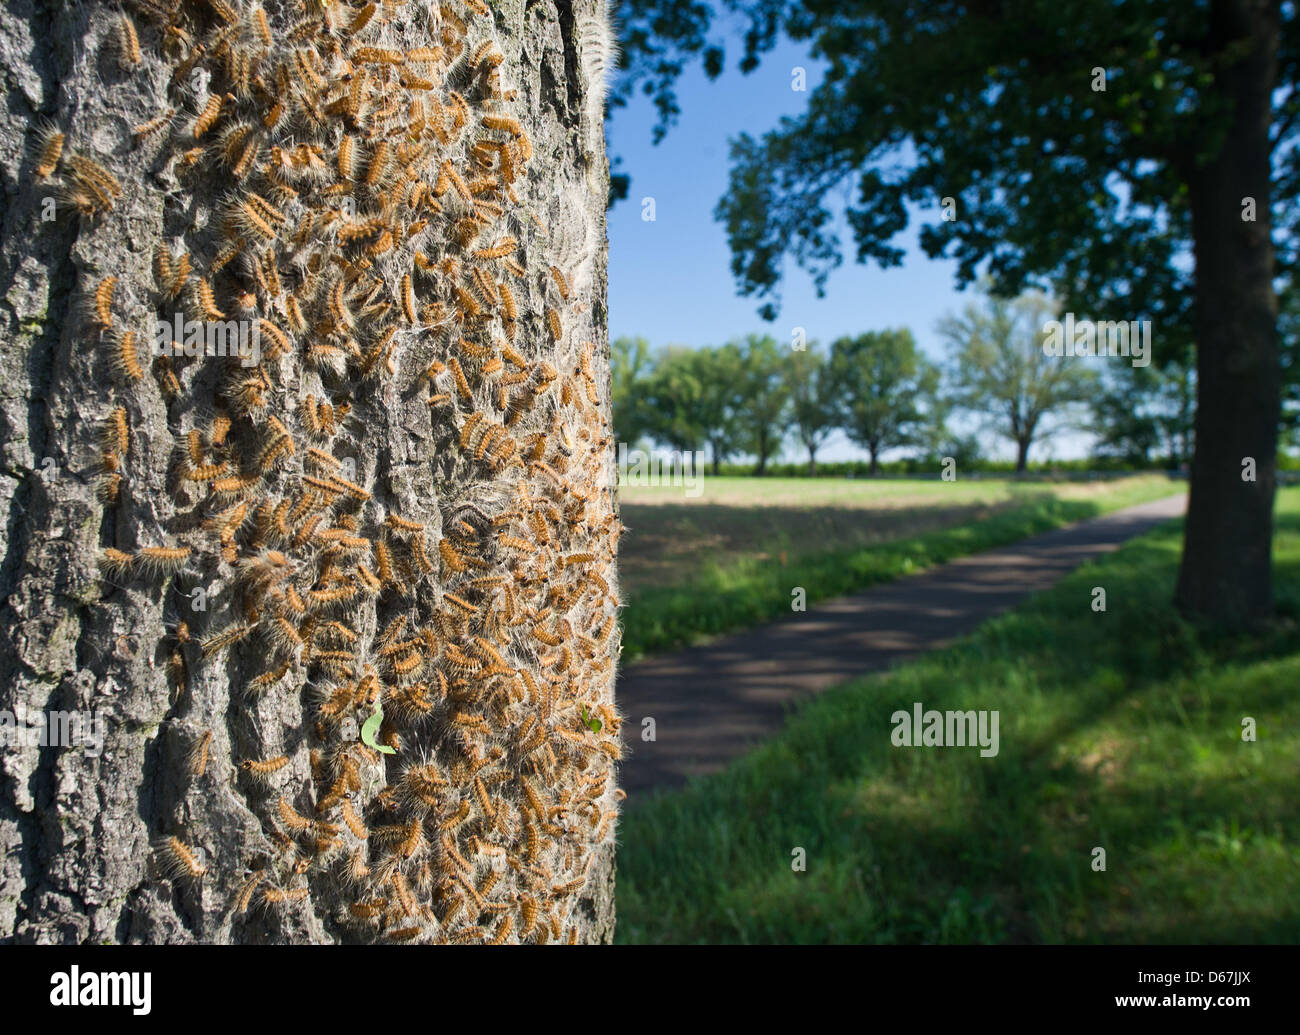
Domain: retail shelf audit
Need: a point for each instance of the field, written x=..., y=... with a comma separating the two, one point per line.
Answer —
x=695, y=567
x=1120, y=730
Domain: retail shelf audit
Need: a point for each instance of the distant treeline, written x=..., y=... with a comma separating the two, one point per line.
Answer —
x=1066, y=469
x=757, y=397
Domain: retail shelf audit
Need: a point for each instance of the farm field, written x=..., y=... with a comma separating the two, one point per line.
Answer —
x=695, y=567
x=1120, y=730
x=671, y=537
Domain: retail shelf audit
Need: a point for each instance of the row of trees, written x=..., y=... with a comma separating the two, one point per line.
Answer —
x=1137, y=156
x=755, y=395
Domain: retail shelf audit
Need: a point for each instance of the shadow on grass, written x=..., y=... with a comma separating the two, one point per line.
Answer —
x=720, y=598
x=1119, y=731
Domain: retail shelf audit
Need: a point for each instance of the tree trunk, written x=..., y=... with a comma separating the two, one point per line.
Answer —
x=1022, y=455
x=1225, y=576
x=812, y=463
x=874, y=469
x=234, y=562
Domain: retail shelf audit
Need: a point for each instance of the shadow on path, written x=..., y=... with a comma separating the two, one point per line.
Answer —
x=713, y=701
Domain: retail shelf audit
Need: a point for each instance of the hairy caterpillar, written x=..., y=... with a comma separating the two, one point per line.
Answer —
x=262, y=769
x=116, y=440
x=127, y=43
x=197, y=760
x=103, y=301
x=207, y=117
x=348, y=160
x=176, y=860
x=50, y=149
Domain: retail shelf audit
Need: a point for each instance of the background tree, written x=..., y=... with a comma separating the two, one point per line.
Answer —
x=964, y=449
x=300, y=494
x=999, y=370
x=815, y=400
x=1091, y=147
x=884, y=384
x=763, y=413
x=674, y=399
x=631, y=365
x=1289, y=333
x=1143, y=414
x=1128, y=428
x=721, y=374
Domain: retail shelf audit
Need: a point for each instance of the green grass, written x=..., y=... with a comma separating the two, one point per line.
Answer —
x=767, y=554
x=1119, y=729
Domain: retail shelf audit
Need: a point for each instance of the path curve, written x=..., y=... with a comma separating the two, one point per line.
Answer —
x=712, y=702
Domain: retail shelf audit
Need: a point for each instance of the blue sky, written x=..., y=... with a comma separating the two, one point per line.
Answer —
x=670, y=280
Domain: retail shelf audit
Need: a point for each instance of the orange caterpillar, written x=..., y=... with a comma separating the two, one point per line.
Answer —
x=176, y=860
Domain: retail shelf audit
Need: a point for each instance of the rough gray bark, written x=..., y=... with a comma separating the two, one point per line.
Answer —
x=80, y=834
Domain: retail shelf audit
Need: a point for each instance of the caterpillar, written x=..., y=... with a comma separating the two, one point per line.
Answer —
x=362, y=18
x=197, y=760
x=116, y=439
x=207, y=302
x=97, y=186
x=560, y=282
x=103, y=301
x=500, y=250
x=275, y=896
x=162, y=560
x=128, y=43
x=50, y=149
x=291, y=818
x=116, y=561
x=216, y=644
x=262, y=769
x=262, y=26
x=244, y=897
x=176, y=860
x=207, y=117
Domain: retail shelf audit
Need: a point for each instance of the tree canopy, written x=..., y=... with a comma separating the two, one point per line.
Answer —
x=1135, y=157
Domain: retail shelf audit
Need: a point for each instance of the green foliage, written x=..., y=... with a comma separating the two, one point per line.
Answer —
x=816, y=401
x=630, y=363
x=1146, y=412
x=998, y=368
x=673, y=395
x=998, y=111
x=763, y=415
x=971, y=464
x=744, y=591
x=370, y=730
x=693, y=397
x=1288, y=327
x=1119, y=729
x=888, y=389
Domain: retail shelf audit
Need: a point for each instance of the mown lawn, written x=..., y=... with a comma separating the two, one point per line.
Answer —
x=1120, y=730
x=694, y=568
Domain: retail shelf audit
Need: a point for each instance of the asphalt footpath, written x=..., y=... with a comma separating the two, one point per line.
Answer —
x=714, y=701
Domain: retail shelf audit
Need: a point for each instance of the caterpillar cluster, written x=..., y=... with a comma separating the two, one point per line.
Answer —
x=376, y=237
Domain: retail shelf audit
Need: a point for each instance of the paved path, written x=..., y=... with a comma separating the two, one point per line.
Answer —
x=712, y=702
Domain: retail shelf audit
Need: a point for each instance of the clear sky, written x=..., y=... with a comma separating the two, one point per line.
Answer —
x=670, y=280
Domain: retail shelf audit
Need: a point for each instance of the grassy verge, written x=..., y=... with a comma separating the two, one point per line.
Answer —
x=1120, y=730
x=715, y=597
